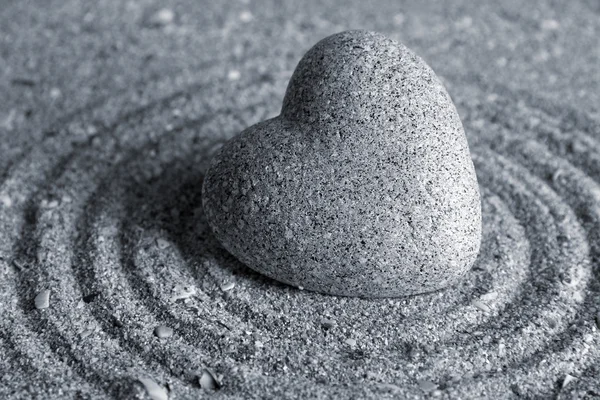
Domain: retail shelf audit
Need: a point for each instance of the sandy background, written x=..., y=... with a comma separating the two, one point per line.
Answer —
x=109, y=114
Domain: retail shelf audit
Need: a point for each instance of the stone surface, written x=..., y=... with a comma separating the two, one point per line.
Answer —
x=362, y=186
x=163, y=331
x=42, y=300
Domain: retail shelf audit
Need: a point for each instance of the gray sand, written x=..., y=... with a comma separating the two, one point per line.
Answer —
x=108, y=119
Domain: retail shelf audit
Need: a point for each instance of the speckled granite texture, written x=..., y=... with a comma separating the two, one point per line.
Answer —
x=110, y=113
x=363, y=186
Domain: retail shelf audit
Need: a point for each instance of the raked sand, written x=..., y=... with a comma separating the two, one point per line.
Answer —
x=110, y=113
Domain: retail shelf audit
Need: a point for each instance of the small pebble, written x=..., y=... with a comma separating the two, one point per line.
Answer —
x=162, y=243
x=427, y=385
x=246, y=16
x=154, y=390
x=208, y=381
x=350, y=342
x=550, y=25
x=481, y=306
x=568, y=379
x=327, y=323
x=227, y=286
x=19, y=264
x=183, y=292
x=557, y=175
x=42, y=300
x=501, y=350
x=162, y=17
x=489, y=296
x=55, y=93
x=234, y=75
x=6, y=201
x=163, y=331
x=86, y=333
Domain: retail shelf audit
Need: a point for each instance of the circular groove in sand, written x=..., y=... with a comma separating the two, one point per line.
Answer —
x=555, y=221
x=65, y=164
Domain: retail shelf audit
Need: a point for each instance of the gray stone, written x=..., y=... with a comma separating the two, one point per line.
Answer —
x=42, y=300
x=362, y=186
x=154, y=390
x=163, y=331
x=208, y=380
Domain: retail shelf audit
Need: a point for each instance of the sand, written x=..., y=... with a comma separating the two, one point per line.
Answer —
x=109, y=116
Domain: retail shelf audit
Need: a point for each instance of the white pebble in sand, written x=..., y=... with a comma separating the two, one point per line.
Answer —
x=6, y=201
x=163, y=17
x=182, y=292
x=42, y=300
x=163, y=331
x=246, y=16
x=481, y=306
x=162, y=243
x=227, y=286
x=234, y=75
x=208, y=380
x=154, y=390
x=568, y=379
x=55, y=93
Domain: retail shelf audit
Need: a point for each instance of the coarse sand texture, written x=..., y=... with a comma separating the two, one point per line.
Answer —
x=114, y=285
x=362, y=186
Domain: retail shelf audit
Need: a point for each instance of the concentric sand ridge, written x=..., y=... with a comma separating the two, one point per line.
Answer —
x=112, y=225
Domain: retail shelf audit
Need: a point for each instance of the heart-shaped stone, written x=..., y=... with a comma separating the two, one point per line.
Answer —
x=363, y=186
